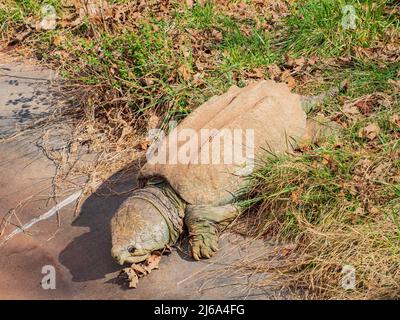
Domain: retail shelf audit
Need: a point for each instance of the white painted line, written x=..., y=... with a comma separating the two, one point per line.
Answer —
x=44, y=216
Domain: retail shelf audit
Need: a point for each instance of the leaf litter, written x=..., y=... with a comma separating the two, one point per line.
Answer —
x=140, y=270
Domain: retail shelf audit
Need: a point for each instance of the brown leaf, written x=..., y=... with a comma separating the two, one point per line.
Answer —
x=380, y=171
x=20, y=37
x=295, y=196
x=354, y=216
x=288, y=79
x=274, y=72
x=148, y=81
x=167, y=249
x=200, y=65
x=256, y=73
x=217, y=35
x=395, y=120
x=153, y=121
x=153, y=261
x=132, y=277
x=144, y=144
x=373, y=210
x=288, y=248
x=297, y=63
x=313, y=60
x=351, y=110
x=365, y=106
x=184, y=72
x=137, y=271
x=72, y=21
x=189, y=3
x=198, y=78
x=362, y=166
x=140, y=270
x=370, y=132
x=395, y=83
x=58, y=40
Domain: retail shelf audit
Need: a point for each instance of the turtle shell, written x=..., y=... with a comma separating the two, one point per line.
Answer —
x=206, y=157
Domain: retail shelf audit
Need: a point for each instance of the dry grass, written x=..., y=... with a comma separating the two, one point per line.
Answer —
x=332, y=206
x=138, y=65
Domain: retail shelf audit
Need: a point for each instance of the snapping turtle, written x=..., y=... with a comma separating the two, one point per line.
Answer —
x=184, y=185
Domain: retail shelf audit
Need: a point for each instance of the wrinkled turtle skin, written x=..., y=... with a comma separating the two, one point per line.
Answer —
x=201, y=196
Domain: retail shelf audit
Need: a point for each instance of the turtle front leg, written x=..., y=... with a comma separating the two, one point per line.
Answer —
x=203, y=223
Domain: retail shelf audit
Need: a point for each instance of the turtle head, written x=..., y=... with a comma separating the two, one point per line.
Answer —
x=137, y=229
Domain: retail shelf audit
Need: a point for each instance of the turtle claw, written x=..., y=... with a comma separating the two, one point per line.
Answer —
x=202, y=222
x=204, y=246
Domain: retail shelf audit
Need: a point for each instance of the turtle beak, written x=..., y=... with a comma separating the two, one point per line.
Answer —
x=124, y=256
x=120, y=256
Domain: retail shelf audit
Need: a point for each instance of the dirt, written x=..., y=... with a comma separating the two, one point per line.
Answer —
x=78, y=246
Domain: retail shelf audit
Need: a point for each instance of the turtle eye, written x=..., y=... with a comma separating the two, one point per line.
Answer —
x=131, y=249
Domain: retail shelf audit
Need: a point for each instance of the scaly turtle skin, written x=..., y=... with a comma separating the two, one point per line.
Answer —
x=199, y=195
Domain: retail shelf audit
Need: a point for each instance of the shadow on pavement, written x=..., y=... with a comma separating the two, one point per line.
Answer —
x=88, y=256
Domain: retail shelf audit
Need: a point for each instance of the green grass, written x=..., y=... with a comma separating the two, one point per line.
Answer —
x=16, y=13
x=200, y=17
x=142, y=64
x=243, y=51
x=335, y=211
x=315, y=27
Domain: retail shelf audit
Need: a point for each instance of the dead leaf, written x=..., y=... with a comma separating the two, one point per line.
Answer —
x=364, y=106
x=295, y=196
x=58, y=40
x=288, y=248
x=71, y=21
x=295, y=63
x=167, y=249
x=20, y=37
x=184, y=72
x=137, y=271
x=354, y=216
x=256, y=73
x=132, y=277
x=370, y=132
x=140, y=270
x=153, y=262
x=395, y=120
x=351, y=110
x=395, y=83
x=362, y=166
x=373, y=210
x=274, y=72
x=144, y=144
x=148, y=81
x=217, y=35
x=299, y=61
x=198, y=78
x=313, y=60
x=153, y=121
x=189, y=3
x=288, y=79
x=381, y=171
x=200, y=65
